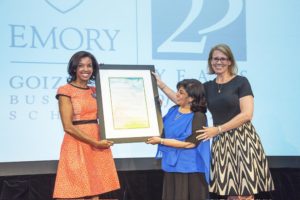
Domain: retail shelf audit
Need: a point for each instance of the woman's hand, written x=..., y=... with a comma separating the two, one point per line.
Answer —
x=164, y=88
x=103, y=144
x=159, y=82
x=207, y=133
x=154, y=140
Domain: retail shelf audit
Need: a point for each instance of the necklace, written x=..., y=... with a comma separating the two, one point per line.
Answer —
x=81, y=87
x=177, y=116
x=219, y=87
x=223, y=82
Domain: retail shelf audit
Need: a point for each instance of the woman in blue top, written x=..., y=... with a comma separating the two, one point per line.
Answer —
x=184, y=161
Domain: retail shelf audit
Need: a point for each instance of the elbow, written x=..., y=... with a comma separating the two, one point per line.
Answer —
x=248, y=117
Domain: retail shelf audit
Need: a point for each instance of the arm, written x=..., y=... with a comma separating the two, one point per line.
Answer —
x=246, y=114
x=246, y=107
x=170, y=142
x=165, y=89
x=66, y=112
x=199, y=121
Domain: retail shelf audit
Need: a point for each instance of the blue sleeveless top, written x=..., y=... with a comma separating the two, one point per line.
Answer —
x=179, y=126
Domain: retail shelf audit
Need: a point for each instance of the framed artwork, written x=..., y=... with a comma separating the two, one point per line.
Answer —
x=128, y=103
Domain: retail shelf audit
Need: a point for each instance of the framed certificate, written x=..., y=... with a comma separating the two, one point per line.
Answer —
x=128, y=103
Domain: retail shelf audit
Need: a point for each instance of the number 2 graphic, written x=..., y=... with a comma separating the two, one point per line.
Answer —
x=171, y=46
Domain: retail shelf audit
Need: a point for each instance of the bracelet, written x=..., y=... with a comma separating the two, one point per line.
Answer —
x=161, y=141
x=219, y=129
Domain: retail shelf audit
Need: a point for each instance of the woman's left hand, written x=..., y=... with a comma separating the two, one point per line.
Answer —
x=207, y=133
x=153, y=140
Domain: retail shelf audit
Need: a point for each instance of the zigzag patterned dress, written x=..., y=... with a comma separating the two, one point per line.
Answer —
x=238, y=163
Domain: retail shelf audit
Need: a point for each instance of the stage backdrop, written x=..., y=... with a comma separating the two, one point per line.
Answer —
x=38, y=38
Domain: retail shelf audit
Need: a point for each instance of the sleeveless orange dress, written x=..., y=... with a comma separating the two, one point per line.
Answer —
x=82, y=169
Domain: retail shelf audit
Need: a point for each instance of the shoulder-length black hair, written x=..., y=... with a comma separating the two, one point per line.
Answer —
x=74, y=62
x=195, y=90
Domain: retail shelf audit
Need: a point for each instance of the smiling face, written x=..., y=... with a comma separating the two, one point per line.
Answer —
x=182, y=98
x=220, y=62
x=84, y=70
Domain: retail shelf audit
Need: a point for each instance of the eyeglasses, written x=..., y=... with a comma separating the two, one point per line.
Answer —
x=216, y=59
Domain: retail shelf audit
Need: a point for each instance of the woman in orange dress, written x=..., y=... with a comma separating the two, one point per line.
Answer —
x=86, y=167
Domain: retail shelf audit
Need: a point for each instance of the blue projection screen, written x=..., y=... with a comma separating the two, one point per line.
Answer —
x=38, y=38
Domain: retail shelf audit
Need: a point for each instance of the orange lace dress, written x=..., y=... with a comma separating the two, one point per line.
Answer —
x=82, y=169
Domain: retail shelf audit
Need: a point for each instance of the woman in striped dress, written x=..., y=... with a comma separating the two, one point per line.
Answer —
x=239, y=168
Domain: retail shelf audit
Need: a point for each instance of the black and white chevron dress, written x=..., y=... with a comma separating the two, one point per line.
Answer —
x=239, y=165
x=238, y=162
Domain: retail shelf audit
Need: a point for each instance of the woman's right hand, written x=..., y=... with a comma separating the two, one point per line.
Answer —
x=103, y=144
x=164, y=88
x=207, y=133
x=159, y=82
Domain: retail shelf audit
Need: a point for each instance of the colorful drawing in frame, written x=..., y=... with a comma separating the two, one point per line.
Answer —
x=128, y=102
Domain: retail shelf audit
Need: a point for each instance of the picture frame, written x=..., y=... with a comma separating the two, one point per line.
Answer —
x=128, y=103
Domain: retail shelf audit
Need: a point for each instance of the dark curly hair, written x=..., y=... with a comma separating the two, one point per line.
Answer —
x=74, y=62
x=195, y=90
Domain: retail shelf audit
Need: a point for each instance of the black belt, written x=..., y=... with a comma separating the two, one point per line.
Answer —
x=91, y=121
